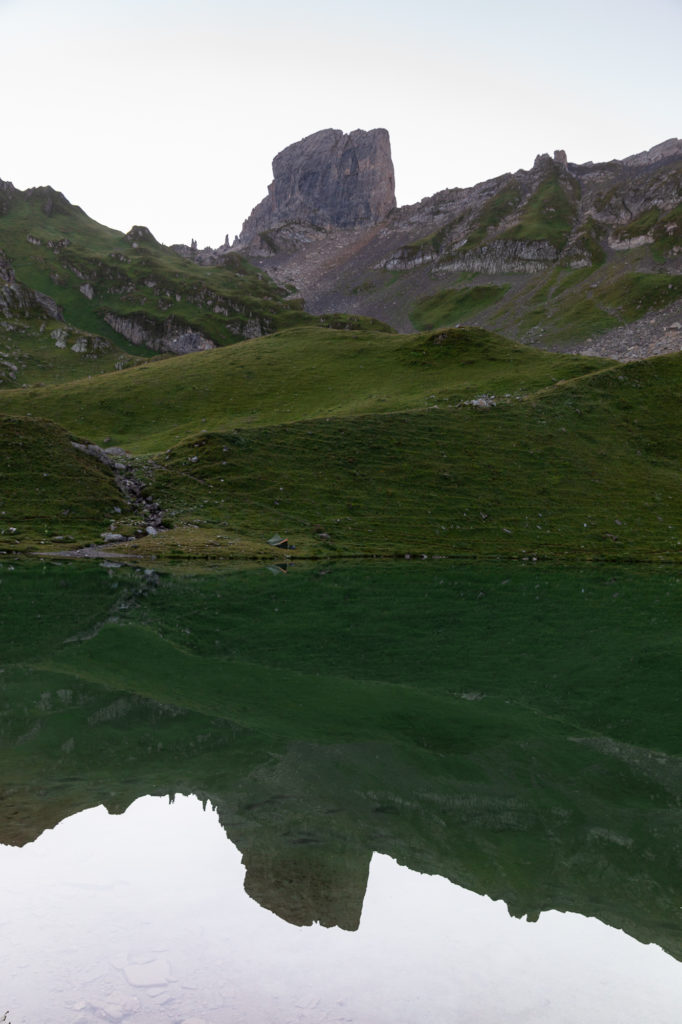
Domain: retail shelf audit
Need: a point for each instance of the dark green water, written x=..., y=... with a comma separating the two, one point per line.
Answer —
x=516, y=730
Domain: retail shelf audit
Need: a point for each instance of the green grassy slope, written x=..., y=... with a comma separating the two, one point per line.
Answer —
x=451, y=305
x=355, y=443
x=42, y=351
x=58, y=250
x=49, y=489
x=555, y=307
x=587, y=469
x=550, y=212
x=301, y=374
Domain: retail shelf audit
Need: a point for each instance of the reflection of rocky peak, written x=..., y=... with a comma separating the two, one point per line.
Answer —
x=304, y=884
x=442, y=783
x=328, y=180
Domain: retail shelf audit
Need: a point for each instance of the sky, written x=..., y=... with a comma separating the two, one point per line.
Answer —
x=168, y=113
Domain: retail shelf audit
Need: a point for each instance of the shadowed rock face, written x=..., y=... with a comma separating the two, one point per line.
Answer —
x=303, y=885
x=328, y=180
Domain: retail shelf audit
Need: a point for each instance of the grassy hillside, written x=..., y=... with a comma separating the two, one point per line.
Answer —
x=301, y=374
x=353, y=443
x=41, y=351
x=95, y=274
x=444, y=308
x=586, y=469
x=557, y=307
x=56, y=248
x=49, y=491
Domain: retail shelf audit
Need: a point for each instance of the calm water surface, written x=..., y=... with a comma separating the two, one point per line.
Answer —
x=361, y=794
x=145, y=917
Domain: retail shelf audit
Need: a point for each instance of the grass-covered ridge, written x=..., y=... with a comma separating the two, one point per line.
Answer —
x=548, y=215
x=499, y=206
x=96, y=274
x=453, y=442
x=587, y=469
x=297, y=375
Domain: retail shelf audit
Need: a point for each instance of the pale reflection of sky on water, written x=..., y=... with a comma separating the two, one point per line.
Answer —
x=143, y=917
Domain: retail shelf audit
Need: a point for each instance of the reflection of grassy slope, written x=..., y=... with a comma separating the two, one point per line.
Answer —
x=454, y=754
x=383, y=624
x=566, y=640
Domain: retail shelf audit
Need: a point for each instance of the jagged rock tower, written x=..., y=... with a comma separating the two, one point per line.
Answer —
x=327, y=180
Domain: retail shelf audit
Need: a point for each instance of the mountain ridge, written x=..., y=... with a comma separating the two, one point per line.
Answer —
x=555, y=249
x=608, y=219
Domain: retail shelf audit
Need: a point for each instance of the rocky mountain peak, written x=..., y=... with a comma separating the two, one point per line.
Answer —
x=140, y=233
x=328, y=179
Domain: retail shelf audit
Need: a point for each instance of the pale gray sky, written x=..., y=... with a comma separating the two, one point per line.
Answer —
x=168, y=112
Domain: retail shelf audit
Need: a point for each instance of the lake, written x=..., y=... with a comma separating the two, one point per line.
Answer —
x=369, y=792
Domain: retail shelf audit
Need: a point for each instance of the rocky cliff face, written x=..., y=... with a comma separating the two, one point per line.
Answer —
x=169, y=335
x=327, y=180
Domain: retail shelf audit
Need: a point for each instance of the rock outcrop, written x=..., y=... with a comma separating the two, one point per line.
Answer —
x=140, y=234
x=670, y=149
x=169, y=335
x=7, y=195
x=327, y=180
x=498, y=257
x=18, y=300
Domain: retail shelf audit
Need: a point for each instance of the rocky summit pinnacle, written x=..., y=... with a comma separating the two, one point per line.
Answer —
x=328, y=180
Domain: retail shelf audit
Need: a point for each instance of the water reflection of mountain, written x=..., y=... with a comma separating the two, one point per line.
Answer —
x=516, y=732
